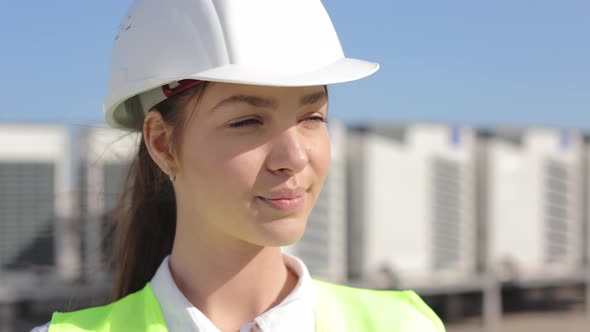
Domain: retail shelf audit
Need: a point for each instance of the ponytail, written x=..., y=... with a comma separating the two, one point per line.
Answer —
x=145, y=218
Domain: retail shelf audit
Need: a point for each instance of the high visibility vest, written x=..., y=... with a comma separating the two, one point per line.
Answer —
x=338, y=309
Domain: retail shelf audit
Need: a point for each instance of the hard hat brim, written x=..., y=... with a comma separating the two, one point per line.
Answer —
x=340, y=71
x=343, y=70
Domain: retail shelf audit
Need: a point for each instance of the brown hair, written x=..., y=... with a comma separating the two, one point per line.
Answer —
x=144, y=221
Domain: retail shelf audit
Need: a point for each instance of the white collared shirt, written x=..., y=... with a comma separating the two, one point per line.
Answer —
x=294, y=313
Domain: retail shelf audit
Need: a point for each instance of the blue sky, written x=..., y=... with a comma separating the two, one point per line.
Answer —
x=521, y=62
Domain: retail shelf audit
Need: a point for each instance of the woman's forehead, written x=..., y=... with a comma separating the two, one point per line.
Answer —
x=263, y=96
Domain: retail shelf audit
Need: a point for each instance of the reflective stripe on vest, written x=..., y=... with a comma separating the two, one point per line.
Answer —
x=339, y=308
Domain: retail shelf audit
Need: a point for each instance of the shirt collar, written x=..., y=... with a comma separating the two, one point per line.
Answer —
x=294, y=313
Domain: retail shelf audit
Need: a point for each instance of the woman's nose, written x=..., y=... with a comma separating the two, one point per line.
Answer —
x=288, y=153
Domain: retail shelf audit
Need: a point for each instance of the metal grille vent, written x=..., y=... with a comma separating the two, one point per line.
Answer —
x=27, y=214
x=446, y=211
x=556, y=208
x=114, y=175
x=113, y=179
x=313, y=248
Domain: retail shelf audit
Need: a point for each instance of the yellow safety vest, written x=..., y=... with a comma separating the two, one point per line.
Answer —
x=339, y=309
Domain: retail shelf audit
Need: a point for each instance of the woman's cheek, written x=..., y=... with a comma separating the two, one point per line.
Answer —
x=236, y=170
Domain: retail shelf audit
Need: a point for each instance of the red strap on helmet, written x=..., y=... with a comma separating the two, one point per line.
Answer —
x=182, y=85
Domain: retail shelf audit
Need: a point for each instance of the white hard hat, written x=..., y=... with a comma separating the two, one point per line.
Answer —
x=259, y=42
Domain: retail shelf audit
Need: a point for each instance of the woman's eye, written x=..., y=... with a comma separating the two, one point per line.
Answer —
x=245, y=123
x=316, y=118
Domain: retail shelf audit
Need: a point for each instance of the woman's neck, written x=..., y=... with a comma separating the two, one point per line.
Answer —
x=231, y=282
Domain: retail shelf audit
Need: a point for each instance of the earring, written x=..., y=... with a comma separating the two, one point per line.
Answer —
x=171, y=175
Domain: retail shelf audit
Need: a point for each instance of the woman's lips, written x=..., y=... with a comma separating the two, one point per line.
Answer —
x=284, y=204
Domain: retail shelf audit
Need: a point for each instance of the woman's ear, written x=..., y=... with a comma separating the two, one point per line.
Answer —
x=158, y=140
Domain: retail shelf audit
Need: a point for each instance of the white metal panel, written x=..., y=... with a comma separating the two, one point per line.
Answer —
x=411, y=226
x=397, y=233
x=27, y=142
x=512, y=227
x=535, y=217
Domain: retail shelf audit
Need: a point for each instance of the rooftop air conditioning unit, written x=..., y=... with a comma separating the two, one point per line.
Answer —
x=412, y=206
x=36, y=201
x=534, y=204
x=105, y=156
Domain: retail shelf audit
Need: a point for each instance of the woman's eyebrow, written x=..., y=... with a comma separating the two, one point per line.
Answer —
x=257, y=101
x=312, y=98
x=254, y=101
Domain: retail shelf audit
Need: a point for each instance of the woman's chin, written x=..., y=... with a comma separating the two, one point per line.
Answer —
x=282, y=232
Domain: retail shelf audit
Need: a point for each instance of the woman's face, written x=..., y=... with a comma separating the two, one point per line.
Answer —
x=252, y=161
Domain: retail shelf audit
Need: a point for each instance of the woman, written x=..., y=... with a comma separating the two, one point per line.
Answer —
x=231, y=100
